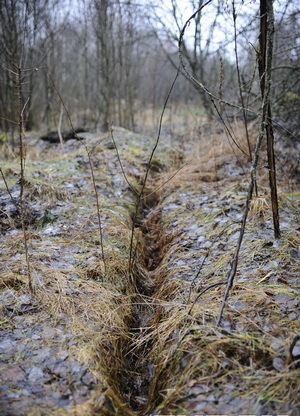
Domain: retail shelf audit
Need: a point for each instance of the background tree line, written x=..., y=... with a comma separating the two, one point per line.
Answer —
x=113, y=60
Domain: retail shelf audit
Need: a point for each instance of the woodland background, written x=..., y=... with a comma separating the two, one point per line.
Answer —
x=113, y=62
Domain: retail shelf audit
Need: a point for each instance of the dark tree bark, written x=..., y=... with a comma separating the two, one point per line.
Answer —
x=265, y=65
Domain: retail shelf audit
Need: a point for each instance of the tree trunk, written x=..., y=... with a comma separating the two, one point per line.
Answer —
x=265, y=67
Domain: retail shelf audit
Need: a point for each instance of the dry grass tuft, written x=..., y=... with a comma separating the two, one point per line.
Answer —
x=260, y=208
x=188, y=350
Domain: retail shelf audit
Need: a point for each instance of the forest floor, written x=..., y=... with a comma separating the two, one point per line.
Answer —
x=123, y=324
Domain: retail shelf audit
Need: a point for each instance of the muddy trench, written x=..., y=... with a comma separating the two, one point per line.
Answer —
x=134, y=390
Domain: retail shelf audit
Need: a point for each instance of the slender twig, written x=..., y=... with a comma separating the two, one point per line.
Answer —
x=91, y=169
x=133, y=248
x=135, y=191
x=206, y=289
x=10, y=121
x=8, y=190
x=263, y=126
x=206, y=257
x=240, y=81
x=59, y=126
x=164, y=183
x=22, y=106
x=291, y=134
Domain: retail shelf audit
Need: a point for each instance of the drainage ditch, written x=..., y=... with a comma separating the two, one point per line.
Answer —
x=134, y=389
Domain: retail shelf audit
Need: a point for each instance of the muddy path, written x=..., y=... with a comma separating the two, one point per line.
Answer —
x=105, y=336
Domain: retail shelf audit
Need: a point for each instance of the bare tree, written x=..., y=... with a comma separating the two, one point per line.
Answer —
x=197, y=49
